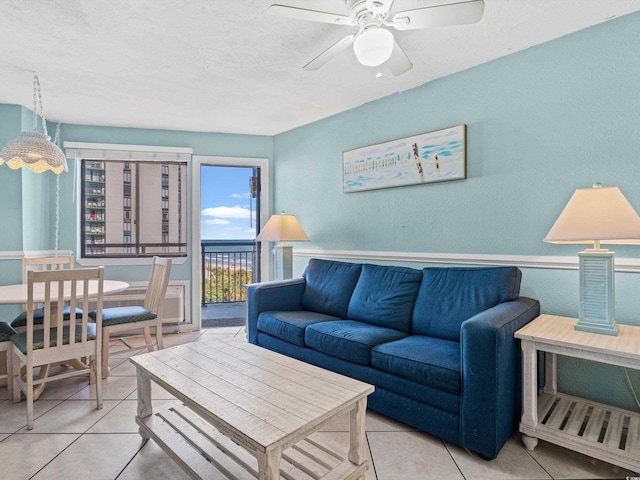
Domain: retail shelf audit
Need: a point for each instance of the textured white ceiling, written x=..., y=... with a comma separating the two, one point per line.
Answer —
x=226, y=66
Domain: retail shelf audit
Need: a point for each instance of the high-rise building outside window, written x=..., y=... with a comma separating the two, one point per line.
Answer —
x=133, y=208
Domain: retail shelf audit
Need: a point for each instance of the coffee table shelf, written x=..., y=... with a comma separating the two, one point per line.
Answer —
x=203, y=452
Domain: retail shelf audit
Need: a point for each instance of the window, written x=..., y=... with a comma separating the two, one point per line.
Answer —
x=126, y=209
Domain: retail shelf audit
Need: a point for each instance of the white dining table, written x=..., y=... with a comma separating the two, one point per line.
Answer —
x=18, y=294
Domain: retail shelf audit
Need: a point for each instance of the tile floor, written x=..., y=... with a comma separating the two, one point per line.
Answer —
x=73, y=440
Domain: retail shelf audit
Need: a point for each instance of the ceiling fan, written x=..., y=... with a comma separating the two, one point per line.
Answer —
x=373, y=44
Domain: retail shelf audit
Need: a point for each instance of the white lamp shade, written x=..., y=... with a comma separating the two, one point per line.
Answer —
x=282, y=228
x=596, y=215
x=35, y=151
x=32, y=149
x=373, y=47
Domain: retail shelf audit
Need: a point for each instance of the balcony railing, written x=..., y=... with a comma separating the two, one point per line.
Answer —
x=226, y=267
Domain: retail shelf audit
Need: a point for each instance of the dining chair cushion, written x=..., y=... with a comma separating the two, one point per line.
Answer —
x=6, y=331
x=20, y=339
x=118, y=315
x=38, y=316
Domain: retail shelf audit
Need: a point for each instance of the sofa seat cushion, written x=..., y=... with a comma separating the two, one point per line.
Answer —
x=384, y=296
x=449, y=296
x=430, y=361
x=348, y=339
x=290, y=326
x=329, y=285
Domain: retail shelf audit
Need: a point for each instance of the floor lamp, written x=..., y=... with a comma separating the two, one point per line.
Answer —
x=283, y=228
x=595, y=216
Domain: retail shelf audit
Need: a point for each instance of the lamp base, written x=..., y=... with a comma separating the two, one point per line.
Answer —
x=597, y=292
x=597, y=328
x=283, y=261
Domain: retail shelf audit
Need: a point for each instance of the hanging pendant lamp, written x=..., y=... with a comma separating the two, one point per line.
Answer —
x=34, y=150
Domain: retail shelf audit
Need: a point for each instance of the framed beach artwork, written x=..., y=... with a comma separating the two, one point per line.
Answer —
x=430, y=157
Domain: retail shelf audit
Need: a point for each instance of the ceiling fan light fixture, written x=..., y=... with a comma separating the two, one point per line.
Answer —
x=373, y=47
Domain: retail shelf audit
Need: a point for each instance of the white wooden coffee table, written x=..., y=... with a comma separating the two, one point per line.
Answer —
x=242, y=409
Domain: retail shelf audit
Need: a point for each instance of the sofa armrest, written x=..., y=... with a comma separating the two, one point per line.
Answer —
x=281, y=295
x=491, y=374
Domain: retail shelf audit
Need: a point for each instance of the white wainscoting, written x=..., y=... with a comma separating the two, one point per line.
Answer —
x=524, y=261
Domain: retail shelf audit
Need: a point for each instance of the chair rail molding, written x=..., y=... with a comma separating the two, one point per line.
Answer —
x=20, y=254
x=524, y=261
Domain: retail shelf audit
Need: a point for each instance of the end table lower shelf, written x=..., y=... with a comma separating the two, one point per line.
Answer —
x=600, y=431
x=592, y=428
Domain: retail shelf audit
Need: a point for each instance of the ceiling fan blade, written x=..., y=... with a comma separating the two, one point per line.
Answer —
x=311, y=15
x=398, y=63
x=330, y=52
x=439, y=16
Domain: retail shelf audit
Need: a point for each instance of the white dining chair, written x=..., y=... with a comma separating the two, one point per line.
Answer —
x=117, y=320
x=39, y=264
x=6, y=332
x=59, y=340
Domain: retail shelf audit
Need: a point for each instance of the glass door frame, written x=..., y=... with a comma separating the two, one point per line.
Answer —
x=197, y=162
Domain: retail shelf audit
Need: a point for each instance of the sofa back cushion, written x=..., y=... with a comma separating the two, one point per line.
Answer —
x=329, y=286
x=384, y=296
x=449, y=296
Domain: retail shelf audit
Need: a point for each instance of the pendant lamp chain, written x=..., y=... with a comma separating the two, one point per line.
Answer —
x=56, y=140
x=37, y=104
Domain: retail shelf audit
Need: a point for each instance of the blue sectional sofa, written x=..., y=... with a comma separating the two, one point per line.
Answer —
x=437, y=343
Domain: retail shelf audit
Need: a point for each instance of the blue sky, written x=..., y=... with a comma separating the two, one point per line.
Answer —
x=227, y=211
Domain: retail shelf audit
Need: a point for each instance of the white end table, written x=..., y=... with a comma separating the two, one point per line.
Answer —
x=600, y=431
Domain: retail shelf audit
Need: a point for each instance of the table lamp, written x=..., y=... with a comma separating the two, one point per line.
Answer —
x=595, y=216
x=283, y=228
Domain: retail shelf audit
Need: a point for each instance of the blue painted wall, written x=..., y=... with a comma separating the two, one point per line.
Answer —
x=540, y=123
x=11, y=118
